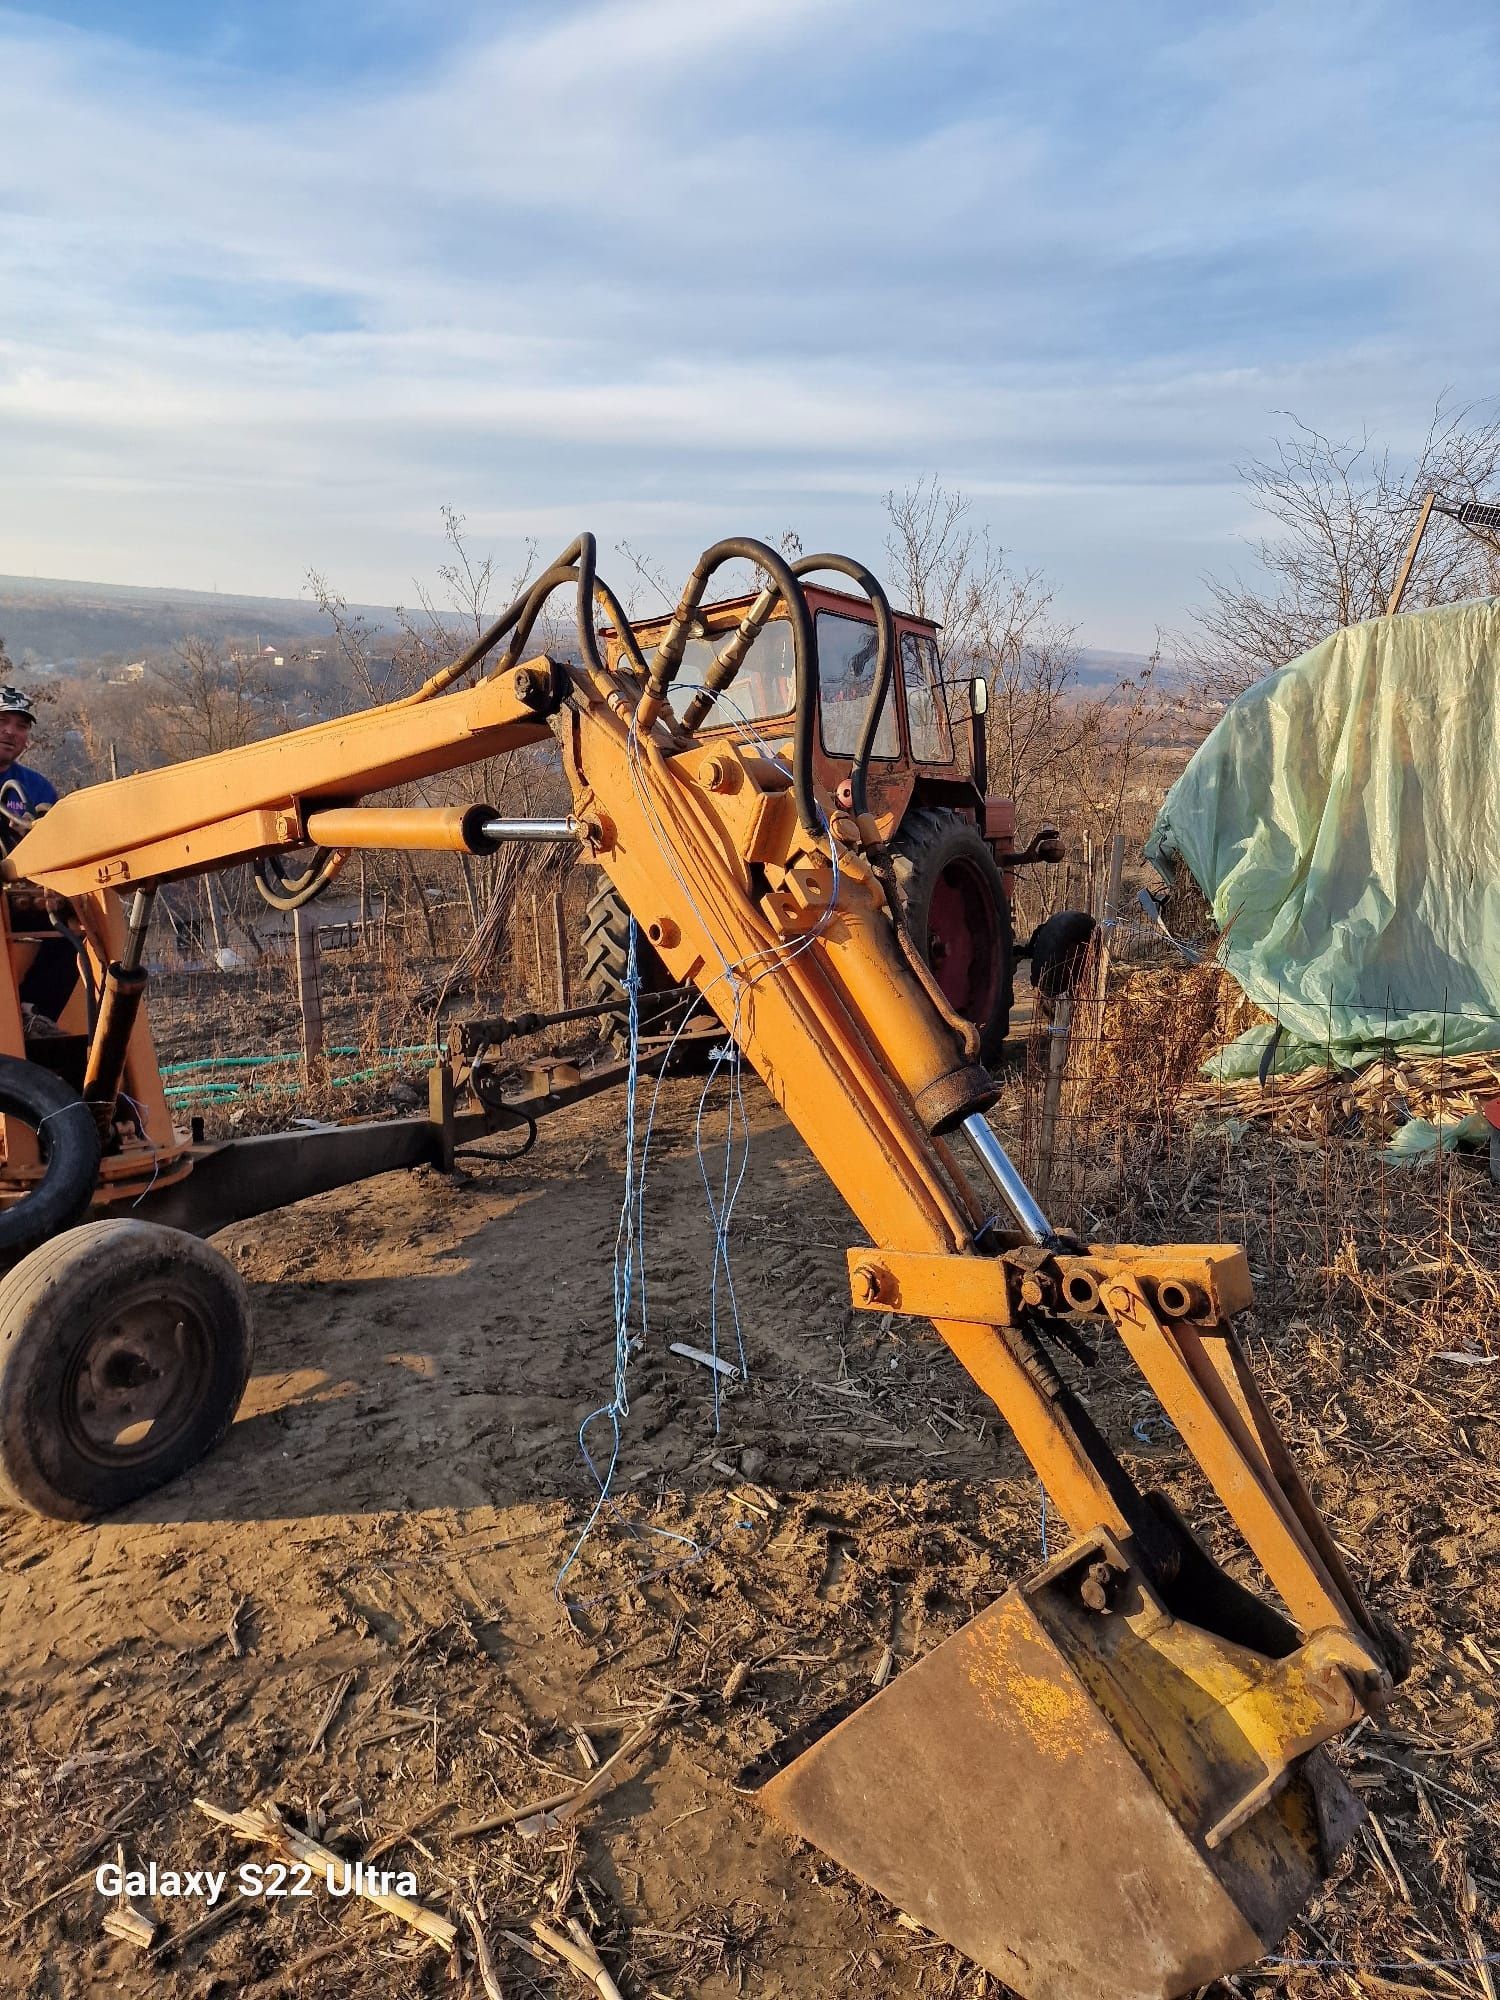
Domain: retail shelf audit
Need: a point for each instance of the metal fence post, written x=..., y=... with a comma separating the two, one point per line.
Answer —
x=309, y=988
x=560, y=946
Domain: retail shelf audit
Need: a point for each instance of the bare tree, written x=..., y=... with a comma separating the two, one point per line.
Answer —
x=1068, y=755
x=200, y=700
x=643, y=568
x=997, y=622
x=944, y=567
x=1343, y=513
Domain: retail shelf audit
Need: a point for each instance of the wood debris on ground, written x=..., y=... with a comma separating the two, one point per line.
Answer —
x=1370, y=1103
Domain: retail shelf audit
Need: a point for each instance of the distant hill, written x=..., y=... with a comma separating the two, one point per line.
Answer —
x=51, y=623
x=1098, y=668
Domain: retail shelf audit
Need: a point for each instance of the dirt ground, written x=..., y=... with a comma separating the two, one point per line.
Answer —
x=351, y=1608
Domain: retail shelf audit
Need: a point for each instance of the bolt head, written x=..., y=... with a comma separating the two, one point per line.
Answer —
x=1098, y=1587
x=867, y=1283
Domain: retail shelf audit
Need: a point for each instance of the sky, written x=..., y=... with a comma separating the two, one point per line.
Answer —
x=278, y=283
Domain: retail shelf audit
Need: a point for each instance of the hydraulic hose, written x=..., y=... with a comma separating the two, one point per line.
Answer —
x=294, y=892
x=575, y=565
x=668, y=657
x=885, y=653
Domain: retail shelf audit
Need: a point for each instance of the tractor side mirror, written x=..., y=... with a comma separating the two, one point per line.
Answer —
x=979, y=756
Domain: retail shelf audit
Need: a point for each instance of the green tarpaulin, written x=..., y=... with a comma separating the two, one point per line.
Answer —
x=1343, y=820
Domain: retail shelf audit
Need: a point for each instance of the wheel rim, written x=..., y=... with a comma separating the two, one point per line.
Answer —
x=137, y=1376
x=963, y=940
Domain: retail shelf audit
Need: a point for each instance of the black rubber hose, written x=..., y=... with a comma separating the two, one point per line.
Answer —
x=885, y=653
x=574, y=565
x=621, y=623
x=294, y=892
x=804, y=653
x=68, y=1140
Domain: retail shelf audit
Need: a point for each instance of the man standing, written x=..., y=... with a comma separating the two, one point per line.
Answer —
x=24, y=793
x=19, y=784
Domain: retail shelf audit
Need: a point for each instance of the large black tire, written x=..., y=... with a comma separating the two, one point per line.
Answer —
x=606, y=959
x=68, y=1141
x=1059, y=949
x=124, y=1352
x=954, y=905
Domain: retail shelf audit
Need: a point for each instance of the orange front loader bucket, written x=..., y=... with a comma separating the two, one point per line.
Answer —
x=1092, y=1803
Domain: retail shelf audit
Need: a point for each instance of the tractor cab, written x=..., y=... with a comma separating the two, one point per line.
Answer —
x=924, y=752
x=951, y=846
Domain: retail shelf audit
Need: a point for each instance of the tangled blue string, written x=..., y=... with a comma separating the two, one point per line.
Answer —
x=630, y=1278
x=627, y=1252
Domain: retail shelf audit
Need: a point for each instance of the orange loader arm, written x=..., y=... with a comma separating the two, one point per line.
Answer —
x=1131, y=1684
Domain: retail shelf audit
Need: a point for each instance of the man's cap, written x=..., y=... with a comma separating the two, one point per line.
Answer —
x=14, y=702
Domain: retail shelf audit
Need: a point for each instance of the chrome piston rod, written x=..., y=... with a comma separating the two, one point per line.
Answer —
x=1001, y=1170
x=533, y=829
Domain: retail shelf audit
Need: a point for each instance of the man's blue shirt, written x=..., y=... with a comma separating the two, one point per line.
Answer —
x=37, y=790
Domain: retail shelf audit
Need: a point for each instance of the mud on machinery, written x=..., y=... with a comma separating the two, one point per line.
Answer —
x=1109, y=1783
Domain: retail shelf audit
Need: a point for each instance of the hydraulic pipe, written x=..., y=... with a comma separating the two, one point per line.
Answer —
x=885, y=655
x=727, y=662
x=459, y=829
x=119, y=1005
x=137, y=925
x=1001, y=1170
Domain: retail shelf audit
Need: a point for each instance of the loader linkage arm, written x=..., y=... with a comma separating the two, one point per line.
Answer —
x=1131, y=1715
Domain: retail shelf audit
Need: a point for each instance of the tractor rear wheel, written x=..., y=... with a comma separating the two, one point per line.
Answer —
x=124, y=1352
x=953, y=902
x=606, y=959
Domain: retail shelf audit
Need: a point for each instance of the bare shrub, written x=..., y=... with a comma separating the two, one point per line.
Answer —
x=1342, y=514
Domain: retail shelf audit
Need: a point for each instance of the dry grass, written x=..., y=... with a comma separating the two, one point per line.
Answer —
x=1375, y=1335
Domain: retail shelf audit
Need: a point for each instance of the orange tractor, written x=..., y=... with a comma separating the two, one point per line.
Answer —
x=950, y=843
x=1111, y=1784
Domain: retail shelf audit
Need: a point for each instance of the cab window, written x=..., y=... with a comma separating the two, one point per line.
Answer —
x=926, y=700
x=765, y=685
x=846, y=666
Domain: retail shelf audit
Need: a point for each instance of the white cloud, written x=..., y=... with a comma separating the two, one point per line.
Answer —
x=665, y=260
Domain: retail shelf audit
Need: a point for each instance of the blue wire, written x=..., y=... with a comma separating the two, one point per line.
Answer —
x=630, y=1254
x=627, y=1244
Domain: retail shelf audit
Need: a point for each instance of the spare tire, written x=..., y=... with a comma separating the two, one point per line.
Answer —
x=67, y=1139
